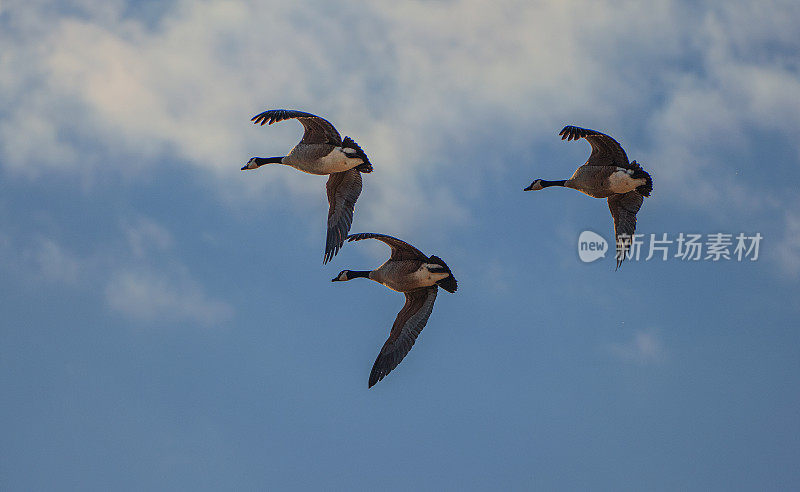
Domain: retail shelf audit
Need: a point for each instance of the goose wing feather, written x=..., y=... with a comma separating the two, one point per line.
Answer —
x=401, y=250
x=605, y=150
x=343, y=190
x=624, y=208
x=406, y=328
x=317, y=130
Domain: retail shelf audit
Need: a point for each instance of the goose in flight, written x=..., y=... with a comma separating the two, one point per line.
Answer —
x=607, y=174
x=417, y=276
x=323, y=151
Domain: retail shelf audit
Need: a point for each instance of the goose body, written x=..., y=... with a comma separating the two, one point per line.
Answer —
x=322, y=159
x=607, y=174
x=417, y=276
x=407, y=275
x=322, y=151
x=602, y=182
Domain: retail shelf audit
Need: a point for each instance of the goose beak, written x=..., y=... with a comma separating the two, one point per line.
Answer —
x=529, y=188
x=335, y=279
x=245, y=168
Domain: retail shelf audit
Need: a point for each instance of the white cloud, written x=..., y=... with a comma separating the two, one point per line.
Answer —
x=416, y=83
x=53, y=263
x=154, y=297
x=144, y=235
x=137, y=274
x=745, y=85
x=40, y=259
x=645, y=347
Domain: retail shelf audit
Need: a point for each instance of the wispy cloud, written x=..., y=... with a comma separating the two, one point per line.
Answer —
x=168, y=294
x=37, y=259
x=144, y=234
x=53, y=263
x=645, y=347
x=678, y=85
x=150, y=296
x=137, y=275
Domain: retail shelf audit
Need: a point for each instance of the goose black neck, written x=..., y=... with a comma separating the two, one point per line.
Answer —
x=546, y=183
x=358, y=273
x=268, y=160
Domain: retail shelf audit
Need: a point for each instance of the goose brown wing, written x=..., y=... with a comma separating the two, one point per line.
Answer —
x=605, y=150
x=406, y=328
x=343, y=191
x=401, y=250
x=317, y=130
x=624, y=208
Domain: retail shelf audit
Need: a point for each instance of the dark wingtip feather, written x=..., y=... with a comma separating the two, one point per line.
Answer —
x=572, y=132
x=332, y=247
x=380, y=369
x=373, y=378
x=271, y=116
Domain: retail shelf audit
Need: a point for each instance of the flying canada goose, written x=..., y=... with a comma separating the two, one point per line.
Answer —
x=323, y=151
x=607, y=174
x=408, y=271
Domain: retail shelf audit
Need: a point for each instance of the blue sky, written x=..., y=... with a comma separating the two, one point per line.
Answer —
x=168, y=323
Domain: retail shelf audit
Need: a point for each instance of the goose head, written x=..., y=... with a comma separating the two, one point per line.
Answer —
x=343, y=276
x=536, y=185
x=251, y=164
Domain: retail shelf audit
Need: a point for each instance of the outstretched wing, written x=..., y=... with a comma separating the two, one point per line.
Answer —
x=343, y=190
x=401, y=250
x=407, y=326
x=318, y=130
x=624, y=207
x=605, y=150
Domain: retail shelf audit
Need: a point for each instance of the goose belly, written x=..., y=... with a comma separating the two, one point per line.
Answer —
x=426, y=278
x=621, y=181
x=334, y=162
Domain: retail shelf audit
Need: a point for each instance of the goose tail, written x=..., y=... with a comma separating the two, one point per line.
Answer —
x=640, y=173
x=366, y=166
x=449, y=283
